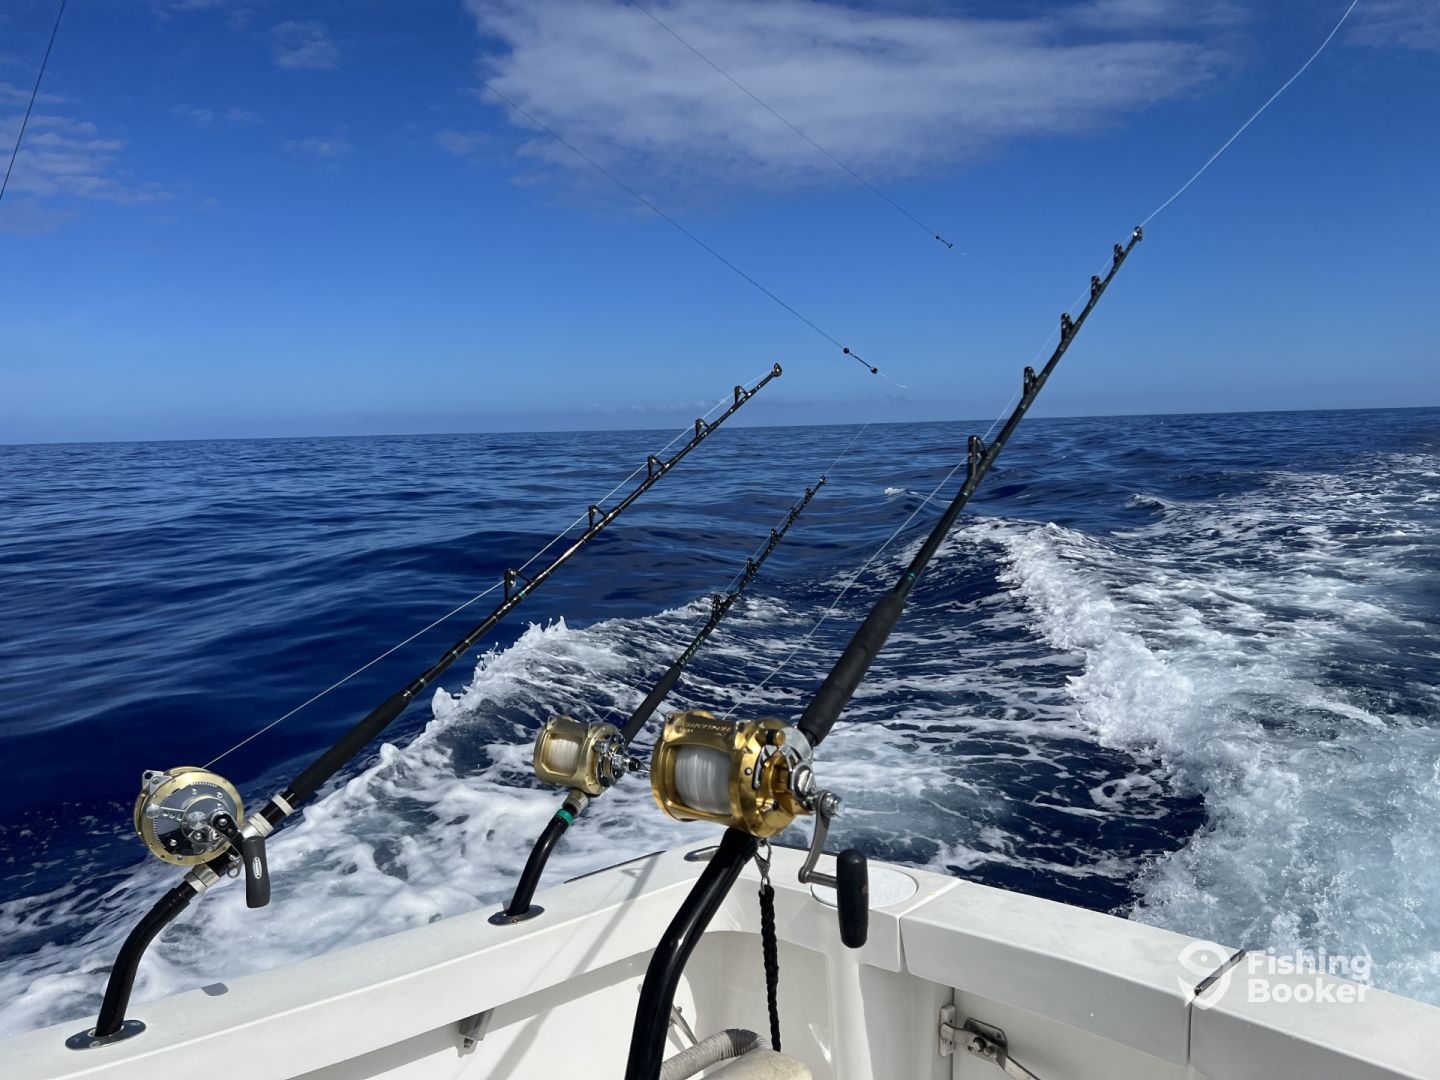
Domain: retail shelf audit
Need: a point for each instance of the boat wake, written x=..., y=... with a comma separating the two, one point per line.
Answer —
x=1208, y=716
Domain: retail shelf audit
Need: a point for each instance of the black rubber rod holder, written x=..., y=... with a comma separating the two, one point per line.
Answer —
x=535, y=865
x=667, y=964
x=839, y=686
x=122, y=975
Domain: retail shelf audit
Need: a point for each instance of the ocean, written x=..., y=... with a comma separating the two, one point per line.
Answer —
x=1179, y=668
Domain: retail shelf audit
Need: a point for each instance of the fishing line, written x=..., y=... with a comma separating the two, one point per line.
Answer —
x=33, y=95
x=830, y=610
x=766, y=106
x=473, y=600
x=1241, y=130
x=760, y=548
x=643, y=201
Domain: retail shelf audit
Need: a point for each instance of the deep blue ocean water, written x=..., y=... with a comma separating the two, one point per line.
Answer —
x=1183, y=668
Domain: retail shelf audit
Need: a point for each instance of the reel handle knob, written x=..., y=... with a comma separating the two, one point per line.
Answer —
x=852, y=897
x=257, y=871
x=250, y=847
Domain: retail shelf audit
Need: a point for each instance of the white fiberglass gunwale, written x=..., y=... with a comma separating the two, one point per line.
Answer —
x=1080, y=996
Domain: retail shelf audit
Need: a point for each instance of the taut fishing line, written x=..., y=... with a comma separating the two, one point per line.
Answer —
x=925, y=500
x=673, y=223
x=468, y=603
x=34, y=93
x=793, y=127
x=1000, y=417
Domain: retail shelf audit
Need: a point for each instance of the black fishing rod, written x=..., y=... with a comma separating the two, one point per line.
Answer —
x=774, y=758
x=589, y=759
x=192, y=817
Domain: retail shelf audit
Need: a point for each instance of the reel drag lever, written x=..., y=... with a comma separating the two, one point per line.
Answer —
x=851, y=880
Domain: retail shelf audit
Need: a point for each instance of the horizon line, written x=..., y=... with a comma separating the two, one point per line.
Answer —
x=639, y=430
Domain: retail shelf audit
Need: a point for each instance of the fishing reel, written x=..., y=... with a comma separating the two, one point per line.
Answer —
x=756, y=776
x=191, y=816
x=582, y=757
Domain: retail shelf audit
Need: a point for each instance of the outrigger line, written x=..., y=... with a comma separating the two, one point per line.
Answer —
x=192, y=817
x=34, y=93
x=565, y=767
x=663, y=216
x=787, y=786
x=767, y=107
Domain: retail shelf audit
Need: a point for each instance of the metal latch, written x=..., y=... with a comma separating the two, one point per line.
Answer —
x=983, y=1040
x=473, y=1030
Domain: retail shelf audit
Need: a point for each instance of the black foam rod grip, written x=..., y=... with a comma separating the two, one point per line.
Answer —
x=257, y=871
x=852, y=897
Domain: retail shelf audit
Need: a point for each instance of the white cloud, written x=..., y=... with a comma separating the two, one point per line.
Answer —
x=325, y=146
x=62, y=156
x=1411, y=24
x=1148, y=15
x=191, y=114
x=10, y=94
x=237, y=115
x=304, y=45
x=889, y=92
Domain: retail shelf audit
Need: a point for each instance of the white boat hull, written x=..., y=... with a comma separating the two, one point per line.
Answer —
x=1079, y=995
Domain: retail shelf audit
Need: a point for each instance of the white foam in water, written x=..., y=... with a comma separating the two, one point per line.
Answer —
x=1202, y=649
x=1320, y=801
x=415, y=837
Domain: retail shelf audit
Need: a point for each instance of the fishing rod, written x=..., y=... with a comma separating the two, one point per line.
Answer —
x=192, y=816
x=756, y=776
x=591, y=758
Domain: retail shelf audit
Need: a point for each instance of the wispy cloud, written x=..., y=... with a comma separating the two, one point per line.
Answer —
x=1144, y=16
x=63, y=156
x=192, y=114
x=1410, y=24
x=237, y=115
x=325, y=146
x=187, y=5
x=10, y=94
x=890, y=92
x=463, y=143
x=304, y=45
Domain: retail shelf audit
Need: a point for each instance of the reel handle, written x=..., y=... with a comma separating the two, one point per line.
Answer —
x=250, y=847
x=852, y=897
x=851, y=880
x=257, y=871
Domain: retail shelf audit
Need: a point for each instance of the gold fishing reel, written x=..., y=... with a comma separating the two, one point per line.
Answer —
x=582, y=757
x=182, y=815
x=756, y=776
x=752, y=775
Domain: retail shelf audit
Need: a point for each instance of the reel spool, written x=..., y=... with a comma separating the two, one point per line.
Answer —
x=583, y=757
x=753, y=775
x=756, y=776
x=179, y=815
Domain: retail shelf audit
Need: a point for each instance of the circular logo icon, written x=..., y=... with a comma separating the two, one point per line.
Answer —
x=1198, y=962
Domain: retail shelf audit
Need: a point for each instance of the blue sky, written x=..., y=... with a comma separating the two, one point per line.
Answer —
x=273, y=218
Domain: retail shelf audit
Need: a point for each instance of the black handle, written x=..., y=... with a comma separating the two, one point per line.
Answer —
x=852, y=897
x=257, y=871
